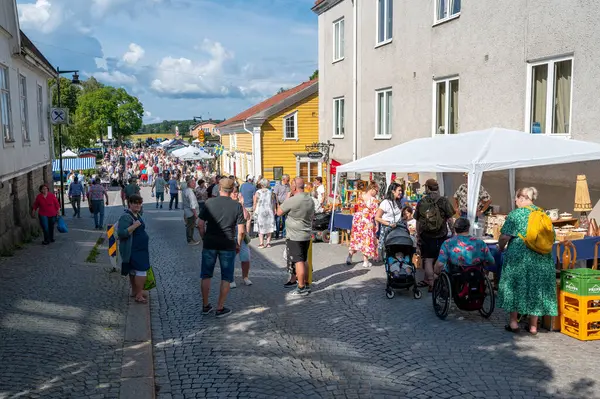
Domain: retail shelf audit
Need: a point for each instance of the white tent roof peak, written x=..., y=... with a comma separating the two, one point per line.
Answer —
x=477, y=151
x=69, y=154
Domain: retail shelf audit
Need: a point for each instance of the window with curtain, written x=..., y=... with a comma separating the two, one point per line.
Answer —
x=40, y=111
x=446, y=9
x=384, y=20
x=446, y=106
x=338, y=40
x=383, y=127
x=550, y=104
x=5, y=121
x=338, y=117
x=23, y=103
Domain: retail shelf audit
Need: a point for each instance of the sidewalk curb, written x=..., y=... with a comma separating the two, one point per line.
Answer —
x=137, y=369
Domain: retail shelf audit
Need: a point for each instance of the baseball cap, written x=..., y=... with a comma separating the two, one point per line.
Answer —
x=226, y=184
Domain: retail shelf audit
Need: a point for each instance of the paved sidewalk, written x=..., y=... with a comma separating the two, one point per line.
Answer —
x=62, y=321
x=346, y=340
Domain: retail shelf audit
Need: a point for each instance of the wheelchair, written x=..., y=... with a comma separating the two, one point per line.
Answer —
x=469, y=288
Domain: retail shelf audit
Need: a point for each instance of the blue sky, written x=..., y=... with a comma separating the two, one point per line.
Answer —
x=182, y=58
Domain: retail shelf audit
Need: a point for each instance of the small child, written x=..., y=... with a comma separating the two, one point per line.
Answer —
x=411, y=223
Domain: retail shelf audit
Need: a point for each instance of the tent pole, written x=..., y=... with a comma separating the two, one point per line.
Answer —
x=335, y=192
x=474, y=185
x=511, y=188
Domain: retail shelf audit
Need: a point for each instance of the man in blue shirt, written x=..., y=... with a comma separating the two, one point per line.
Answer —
x=174, y=191
x=248, y=189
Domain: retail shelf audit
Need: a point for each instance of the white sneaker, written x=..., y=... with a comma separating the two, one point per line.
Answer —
x=247, y=281
x=232, y=285
x=367, y=264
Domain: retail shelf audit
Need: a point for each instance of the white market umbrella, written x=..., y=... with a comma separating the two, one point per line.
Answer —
x=69, y=154
x=191, y=154
x=476, y=152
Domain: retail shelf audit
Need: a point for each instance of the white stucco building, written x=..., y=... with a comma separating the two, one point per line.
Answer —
x=395, y=70
x=25, y=153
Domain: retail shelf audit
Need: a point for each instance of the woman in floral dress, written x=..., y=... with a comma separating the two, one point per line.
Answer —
x=264, y=213
x=528, y=281
x=363, y=227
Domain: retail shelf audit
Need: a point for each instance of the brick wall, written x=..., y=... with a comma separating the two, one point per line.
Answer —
x=16, y=200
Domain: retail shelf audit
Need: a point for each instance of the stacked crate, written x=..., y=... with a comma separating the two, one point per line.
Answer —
x=580, y=303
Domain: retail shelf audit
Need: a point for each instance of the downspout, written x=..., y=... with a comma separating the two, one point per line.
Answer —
x=355, y=83
x=253, y=149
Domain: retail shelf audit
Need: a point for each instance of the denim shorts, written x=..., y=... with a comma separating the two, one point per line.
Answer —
x=138, y=273
x=226, y=260
x=244, y=252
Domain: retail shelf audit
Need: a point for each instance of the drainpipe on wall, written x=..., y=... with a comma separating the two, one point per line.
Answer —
x=253, y=151
x=355, y=83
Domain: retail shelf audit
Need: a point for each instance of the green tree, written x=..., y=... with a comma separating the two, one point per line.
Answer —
x=315, y=75
x=106, y=106
x=69, y=94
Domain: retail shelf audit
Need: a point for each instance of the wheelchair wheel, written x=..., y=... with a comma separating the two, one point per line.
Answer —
x=442, y=296
x=489, y=302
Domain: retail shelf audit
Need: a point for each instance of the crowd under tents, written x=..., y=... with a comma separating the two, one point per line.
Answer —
x=474, y=153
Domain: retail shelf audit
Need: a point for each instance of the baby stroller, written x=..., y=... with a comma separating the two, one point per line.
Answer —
x=320, y=227
x=399, y=269
x=467, y=286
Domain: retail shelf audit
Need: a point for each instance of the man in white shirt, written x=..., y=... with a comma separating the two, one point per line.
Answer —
x=190, y=211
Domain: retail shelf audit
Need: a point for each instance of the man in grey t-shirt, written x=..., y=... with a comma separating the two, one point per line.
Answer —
x=281, y=191
x=300, y=211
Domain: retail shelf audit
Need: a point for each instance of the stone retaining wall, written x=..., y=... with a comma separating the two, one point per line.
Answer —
x=16, y=199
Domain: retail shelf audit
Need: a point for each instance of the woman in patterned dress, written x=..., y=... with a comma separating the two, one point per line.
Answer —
x=264, y=213
x=528, y=281
x=363, y=227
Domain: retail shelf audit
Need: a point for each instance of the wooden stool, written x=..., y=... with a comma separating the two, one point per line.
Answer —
x=595, y=265
x=345, y=238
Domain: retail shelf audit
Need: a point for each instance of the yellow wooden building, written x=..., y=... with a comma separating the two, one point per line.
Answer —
x=270, y=138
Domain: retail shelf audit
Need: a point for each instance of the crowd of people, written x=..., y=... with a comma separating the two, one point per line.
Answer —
x=441, y=236
x=227, y=215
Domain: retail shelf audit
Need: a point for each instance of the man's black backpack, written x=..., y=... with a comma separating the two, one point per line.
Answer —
x=430, y=215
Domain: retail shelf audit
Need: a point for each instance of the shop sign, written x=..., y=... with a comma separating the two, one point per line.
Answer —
x=315, y=155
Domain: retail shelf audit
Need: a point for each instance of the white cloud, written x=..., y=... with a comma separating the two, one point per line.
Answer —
x=117, y=78
x=147, y=114
x=135, y=53
x=184, y=78
x=43, y=15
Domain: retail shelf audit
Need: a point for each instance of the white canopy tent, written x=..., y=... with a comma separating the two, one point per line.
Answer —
x=191, y=154
x=165, y=143
x=474, y=153
x=69, y=154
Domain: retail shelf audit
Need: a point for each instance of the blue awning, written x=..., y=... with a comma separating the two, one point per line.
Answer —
x=74, y=164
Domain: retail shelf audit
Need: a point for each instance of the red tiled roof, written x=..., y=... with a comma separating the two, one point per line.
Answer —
x=268, y=103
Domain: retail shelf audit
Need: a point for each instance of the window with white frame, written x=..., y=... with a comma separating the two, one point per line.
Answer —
x=308, y=170
x=40, y=111
x=446, y=106
x=446, y=9
x=384, y=20
x=290, y=127
x=550, y=94
x=23, y=103
x=5, y=122
x=338, y=40
x=383, y=128
x=338, y=117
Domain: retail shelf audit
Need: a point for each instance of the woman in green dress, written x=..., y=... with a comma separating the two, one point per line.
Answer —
x=528, y=281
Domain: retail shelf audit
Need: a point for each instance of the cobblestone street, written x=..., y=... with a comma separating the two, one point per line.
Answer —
x=62, y=320
x=345, y=340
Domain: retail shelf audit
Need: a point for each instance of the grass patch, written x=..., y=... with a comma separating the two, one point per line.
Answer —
x=93, y=255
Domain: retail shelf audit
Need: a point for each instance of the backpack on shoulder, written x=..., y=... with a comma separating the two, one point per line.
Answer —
x=540, y=232
x=431, y=214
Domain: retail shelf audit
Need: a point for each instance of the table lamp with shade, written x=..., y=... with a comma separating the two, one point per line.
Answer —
x=583, y=203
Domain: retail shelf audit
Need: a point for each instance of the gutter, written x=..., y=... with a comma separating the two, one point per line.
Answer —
x=355, y=83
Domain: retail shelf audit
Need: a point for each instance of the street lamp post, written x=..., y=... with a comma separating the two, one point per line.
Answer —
x=62, y=184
